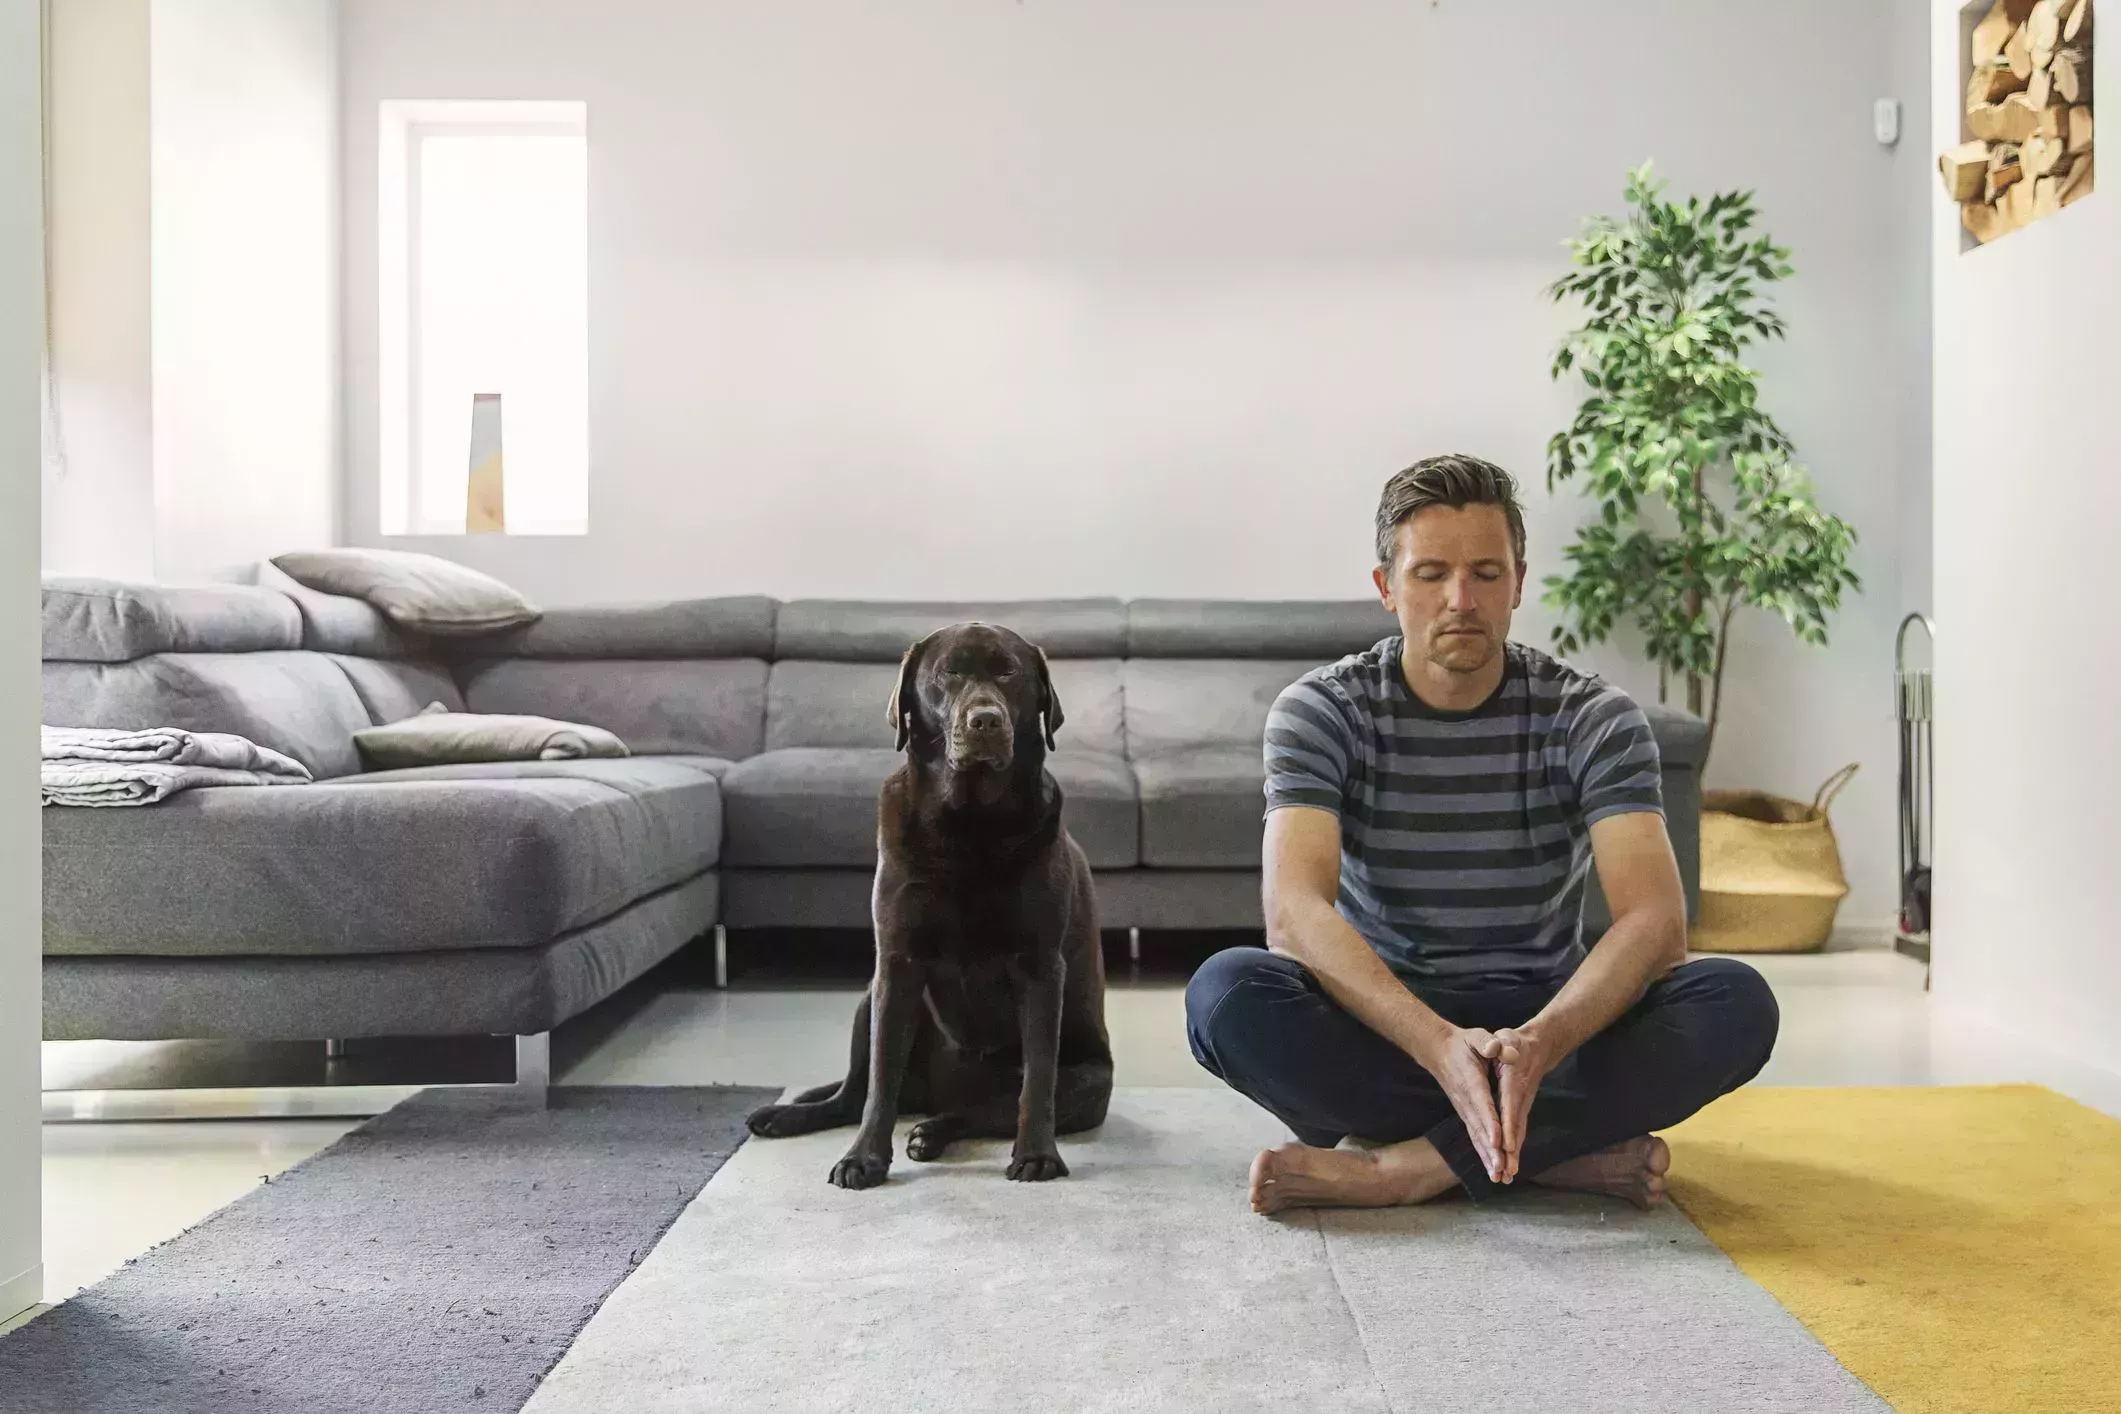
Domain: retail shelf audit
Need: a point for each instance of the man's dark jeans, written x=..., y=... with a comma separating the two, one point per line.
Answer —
x=1260, y=1021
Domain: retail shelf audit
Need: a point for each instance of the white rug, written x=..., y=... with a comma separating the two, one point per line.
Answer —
x=1144, y=1282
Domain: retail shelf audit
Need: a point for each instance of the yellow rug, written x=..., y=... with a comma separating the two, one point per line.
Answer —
x=1957, y=1248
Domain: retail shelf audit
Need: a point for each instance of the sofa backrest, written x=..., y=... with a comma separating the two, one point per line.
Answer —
x=686, y=677
x=302, y=671
x=219, y=659
x=1202, y=673
x=395, y=674
x=836, y=662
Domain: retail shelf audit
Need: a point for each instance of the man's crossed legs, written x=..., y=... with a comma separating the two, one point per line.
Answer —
x=1261, y=1022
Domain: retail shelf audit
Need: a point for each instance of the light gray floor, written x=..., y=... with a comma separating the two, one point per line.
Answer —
x=113, y=1190
x=1142, y=1281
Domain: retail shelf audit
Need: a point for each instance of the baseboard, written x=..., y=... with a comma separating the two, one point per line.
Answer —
x=19, y=1294
x=2069, y=1062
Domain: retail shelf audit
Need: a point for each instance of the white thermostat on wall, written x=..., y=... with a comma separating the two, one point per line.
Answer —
x=1885, y=120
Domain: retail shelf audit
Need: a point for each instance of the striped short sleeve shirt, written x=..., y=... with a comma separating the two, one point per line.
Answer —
x=1464, y=836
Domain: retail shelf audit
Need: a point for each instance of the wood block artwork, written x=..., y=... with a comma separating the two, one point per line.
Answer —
x=485, y=500
x=2026, y=148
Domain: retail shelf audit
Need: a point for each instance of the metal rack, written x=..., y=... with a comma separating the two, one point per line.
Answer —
x=1913, y=704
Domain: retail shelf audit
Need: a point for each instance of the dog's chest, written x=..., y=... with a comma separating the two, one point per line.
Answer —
x=974, y=931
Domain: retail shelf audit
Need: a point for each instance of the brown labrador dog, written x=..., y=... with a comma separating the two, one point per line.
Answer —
x=987, y=1010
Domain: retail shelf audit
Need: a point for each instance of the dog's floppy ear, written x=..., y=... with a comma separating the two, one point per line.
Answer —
x=905, y=696
x=1050, y=714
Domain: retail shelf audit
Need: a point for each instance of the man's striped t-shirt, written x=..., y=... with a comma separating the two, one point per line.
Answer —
x=1464, y=836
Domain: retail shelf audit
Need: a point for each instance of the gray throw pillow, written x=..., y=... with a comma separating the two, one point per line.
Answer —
x=438, y=736
x=424, y=593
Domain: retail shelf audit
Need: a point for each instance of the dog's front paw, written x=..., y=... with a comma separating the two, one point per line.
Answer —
x=1037, y=1168
x=860, y=1171
x=928, y=1142
x=769, y=1121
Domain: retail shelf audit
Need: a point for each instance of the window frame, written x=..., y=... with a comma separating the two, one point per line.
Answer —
x=403, y=126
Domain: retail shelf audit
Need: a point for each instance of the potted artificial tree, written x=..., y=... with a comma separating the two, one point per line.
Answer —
x=1702, y=512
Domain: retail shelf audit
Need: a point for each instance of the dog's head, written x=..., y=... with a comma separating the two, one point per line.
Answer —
x=973, y=694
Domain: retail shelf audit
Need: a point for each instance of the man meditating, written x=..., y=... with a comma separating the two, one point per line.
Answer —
x=1433, y=808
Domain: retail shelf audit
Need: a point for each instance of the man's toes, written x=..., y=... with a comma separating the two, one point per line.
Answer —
x=1657, y=1157
x=1271, y=1174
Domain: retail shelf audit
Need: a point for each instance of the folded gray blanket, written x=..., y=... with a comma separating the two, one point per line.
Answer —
x=99, y=766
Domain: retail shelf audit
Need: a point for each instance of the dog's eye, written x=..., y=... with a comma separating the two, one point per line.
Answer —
x=1006, y=673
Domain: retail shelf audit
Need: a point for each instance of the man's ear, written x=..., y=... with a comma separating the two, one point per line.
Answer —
x=905, y=696
x=1050, y=714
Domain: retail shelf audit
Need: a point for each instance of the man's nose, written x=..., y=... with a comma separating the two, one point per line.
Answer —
x=1460, y=592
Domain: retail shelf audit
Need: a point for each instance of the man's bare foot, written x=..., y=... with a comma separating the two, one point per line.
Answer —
x=1299, y=1176
x=1633, y=1169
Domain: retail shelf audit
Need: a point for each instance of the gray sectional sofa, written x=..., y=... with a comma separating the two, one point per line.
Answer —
x=502, y=899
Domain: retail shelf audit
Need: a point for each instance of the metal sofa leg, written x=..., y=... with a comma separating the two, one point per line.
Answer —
x=1134, y=945
x=533, y=1068
x=335, y=1050
x=721, y=956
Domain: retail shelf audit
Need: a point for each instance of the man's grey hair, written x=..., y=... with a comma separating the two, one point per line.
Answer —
x=1456, y=481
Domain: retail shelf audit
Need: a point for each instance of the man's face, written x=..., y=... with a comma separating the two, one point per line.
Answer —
x=1453, y=584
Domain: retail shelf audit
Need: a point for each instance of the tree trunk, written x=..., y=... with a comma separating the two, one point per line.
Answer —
x=1692, y=598
x=1723, y=645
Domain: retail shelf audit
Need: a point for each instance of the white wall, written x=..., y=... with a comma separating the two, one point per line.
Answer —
x=960, y=298
x=195, y=228
x=1914, y=183
x=99, y=501
x=245, y=260
x=21, y=326
x=2028, y=763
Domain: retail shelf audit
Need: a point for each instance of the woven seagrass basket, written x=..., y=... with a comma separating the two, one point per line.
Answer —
x=1771, y=878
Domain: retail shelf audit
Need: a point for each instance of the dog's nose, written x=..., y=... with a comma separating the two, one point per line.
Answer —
x=982, y=720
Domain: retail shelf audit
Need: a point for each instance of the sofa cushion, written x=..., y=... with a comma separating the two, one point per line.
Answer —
x=418, y=593
x=815, y=807
x=299, y=704
x=340, y=623
x=739, y=626
x=811, y=703
x=393, y=689
x=1320, y=629
x=880, y=631
x=713, y=767
x=1202, y=808
x=445, y=857
x=705, y=707
x=1177, y=704
x=102, y=621
x=440, y=737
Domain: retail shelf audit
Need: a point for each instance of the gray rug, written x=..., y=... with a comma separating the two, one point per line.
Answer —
x=439, y=1257
x=1143, y=1282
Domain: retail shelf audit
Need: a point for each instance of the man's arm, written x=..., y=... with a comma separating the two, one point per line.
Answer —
x=1300, y=881
x=1648, y=939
